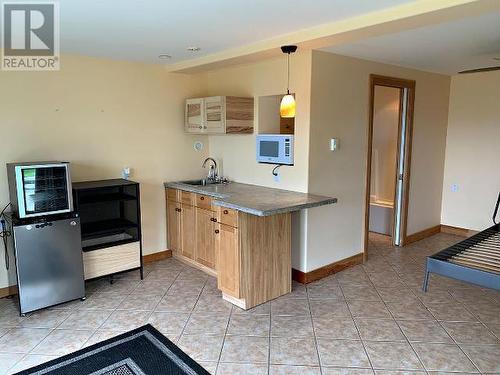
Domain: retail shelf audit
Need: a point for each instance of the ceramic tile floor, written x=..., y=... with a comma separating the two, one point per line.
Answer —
x=368, y=319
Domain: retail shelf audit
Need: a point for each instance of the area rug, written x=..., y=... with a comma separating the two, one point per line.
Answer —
x=143, y=351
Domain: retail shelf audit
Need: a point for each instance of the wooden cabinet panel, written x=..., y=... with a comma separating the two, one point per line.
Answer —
x=174, y=225
x=228, y=259
x=214, y=115
x=205, y=237
x=287, y=125
x=187, y=198
x=239, y=115
x=188, y=231
x=219, y=115
x=227, y=216
x=203, y=201
x=194, y=116
x=173, y=195
x=111, y=260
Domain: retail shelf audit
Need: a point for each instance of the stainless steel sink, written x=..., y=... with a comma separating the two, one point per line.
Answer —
x=202, y=182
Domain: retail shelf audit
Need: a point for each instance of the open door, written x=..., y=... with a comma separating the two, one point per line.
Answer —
x=391, y=209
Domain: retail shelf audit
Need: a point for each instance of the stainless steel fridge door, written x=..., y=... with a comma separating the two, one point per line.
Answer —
x=49, y=263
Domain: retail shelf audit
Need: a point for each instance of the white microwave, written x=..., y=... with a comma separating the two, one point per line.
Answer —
x=275, y=148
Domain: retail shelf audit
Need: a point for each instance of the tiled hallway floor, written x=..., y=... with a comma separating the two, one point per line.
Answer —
x=368, y=318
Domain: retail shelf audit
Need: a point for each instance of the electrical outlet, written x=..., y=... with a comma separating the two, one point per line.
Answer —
x=454, y=188
x=277, y=178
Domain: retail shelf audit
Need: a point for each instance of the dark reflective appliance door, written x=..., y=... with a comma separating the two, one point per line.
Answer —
x=45, y=189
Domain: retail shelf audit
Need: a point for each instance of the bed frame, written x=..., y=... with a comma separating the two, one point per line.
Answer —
x=475, y=259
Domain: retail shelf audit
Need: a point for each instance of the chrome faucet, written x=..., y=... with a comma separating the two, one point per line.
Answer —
x=212, y=173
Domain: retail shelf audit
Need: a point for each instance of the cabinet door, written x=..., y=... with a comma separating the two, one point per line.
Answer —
x=174, y=225
x=188, y=231
x=194, y=116
x=214, y=115
x=205, y=237
x=228, y=259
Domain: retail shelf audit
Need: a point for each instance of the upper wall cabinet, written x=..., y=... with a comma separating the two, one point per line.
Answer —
x=219, y=115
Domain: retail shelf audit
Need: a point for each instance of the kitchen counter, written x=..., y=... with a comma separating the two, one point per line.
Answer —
x=253, y=199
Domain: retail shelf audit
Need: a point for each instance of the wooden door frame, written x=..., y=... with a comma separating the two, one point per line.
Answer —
x=378, y=80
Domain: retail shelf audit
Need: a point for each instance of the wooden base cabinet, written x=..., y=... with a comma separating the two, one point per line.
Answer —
x=174, y=225
x=255, y=264
x=251, y=255
x=190, y=227
x=228, y=255
x=188, y=231
x=205, y=237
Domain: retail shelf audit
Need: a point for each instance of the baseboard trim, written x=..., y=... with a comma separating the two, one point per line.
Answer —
x=423, y=234
x=329, y=269
x=8, y=291
x=463, y=232
x=194, y=264
x=154, y=257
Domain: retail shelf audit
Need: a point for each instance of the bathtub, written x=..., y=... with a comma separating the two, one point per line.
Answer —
x=381, y=216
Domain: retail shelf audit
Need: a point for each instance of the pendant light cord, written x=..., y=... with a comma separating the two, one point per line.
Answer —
x=288, y=73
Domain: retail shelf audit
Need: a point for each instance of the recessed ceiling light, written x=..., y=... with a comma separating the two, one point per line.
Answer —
x=164, y=56
x=193, y=49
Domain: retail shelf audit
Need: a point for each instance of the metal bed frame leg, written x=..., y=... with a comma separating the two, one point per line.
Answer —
x=426, y=281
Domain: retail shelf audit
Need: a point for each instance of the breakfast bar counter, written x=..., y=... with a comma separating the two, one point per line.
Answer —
x=239, y=233
x=253, y=199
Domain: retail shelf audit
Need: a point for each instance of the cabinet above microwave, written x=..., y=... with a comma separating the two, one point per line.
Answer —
x=219, y=115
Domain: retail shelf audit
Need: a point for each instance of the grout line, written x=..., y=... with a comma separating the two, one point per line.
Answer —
x=314, y=331
x=356, y=326
x=224, y=339
x=269, y=340
x=394, y=317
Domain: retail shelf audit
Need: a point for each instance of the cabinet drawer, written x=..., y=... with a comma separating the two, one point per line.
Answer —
x=187, y=198
x=111, y=259
x=173, y=195
x=227, y=216
x=203, y=201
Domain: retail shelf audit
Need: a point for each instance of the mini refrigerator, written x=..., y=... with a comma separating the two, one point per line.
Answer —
x=49, y=262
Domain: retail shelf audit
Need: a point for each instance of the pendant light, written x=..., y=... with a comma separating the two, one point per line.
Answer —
x=287, y=105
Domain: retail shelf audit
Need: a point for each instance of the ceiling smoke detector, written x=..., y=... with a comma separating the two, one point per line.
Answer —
x=193, y=49
x=164, y=56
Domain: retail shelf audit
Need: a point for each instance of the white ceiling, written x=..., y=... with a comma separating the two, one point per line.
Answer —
x=142, y=29
x=447, y=48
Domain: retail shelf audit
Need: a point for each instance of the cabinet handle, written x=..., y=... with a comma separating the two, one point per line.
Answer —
x=226, y=212
x=216, y=231
x=202, y=198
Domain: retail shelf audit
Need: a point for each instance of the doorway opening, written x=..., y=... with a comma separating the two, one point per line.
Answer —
x=388, y=158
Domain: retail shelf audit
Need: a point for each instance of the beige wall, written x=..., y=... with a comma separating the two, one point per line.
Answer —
x=385, y=142
x=339, y=108
x=472, y=151
x=237, y=152
x=103, y=115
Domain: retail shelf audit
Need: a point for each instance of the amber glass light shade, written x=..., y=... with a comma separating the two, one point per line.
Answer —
x=287, y=106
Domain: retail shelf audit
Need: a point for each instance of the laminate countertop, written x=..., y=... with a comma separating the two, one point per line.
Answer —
x=253, y=199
